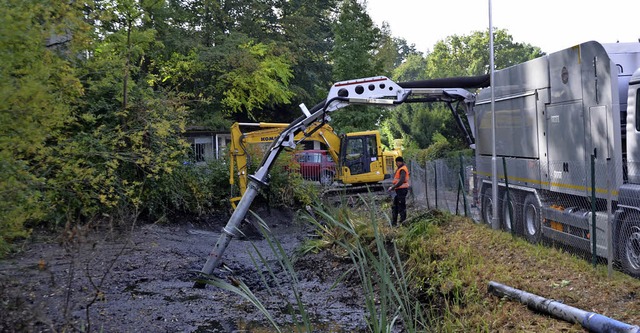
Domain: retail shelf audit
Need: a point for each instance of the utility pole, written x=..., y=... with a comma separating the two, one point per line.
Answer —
x=495, y=222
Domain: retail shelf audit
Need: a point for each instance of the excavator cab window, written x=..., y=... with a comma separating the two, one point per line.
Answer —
x=372, y=148
x=359, y=153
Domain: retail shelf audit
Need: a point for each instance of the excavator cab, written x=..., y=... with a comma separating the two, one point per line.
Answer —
x=361, y=159
x=359, y=152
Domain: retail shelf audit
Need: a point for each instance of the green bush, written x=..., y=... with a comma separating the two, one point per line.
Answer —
x=19, y=203
x=191, y=189
x=440, y=149
x=286, y=186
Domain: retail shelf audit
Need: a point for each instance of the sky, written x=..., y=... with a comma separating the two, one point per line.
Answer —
x=552, y=25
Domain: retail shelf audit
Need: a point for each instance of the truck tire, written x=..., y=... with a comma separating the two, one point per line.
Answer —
x=508, y=224
x=326, y=178
x=486, y=206
x=630, y=245
x=532, y=219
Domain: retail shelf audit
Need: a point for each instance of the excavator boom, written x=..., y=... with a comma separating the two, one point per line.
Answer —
x=240, y=154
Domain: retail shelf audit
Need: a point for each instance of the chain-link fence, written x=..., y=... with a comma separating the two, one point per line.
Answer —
x=445, y=184
x=587, y=209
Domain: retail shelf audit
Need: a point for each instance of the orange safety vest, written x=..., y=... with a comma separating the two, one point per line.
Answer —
x=396, y=177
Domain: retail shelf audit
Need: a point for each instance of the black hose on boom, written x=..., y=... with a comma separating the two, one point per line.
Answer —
x=465, y=82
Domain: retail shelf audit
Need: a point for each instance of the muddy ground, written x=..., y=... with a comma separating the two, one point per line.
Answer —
x=104, y=280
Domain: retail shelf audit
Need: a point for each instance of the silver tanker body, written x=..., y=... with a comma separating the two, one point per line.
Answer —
x=555, y=116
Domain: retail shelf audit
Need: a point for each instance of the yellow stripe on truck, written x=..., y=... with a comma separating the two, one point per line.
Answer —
x=554, y=184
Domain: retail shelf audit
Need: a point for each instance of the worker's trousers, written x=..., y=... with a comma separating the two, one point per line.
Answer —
x=400, y=206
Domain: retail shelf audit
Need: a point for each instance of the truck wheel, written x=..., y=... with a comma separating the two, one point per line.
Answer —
x=486, y=206
x=531, y=216
x=326, y=178
x=508, y=224
x=630, y=245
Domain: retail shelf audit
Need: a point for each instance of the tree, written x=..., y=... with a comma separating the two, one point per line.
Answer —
x=305, y=27
x=236, y=64
x=412, y=69
x=468, y=55
x=391, y=51
x=258, y=79
x=356, y=39
x=38, y=86
x=363, y=50
x=128, y=129
x=237, y=79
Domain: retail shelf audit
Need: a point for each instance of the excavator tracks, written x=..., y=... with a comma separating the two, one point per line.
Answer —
x=337, y=195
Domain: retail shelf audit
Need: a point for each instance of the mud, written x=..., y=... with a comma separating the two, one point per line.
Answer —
x=141, y=280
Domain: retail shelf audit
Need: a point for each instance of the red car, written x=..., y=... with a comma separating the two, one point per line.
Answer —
x=316, y=165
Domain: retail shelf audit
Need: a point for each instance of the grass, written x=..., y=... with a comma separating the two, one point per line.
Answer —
x=377, y=262
x=465, y=256
x=446, y=262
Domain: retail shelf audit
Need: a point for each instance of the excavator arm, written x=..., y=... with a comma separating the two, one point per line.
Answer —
x=379, y=91
x=240, y=155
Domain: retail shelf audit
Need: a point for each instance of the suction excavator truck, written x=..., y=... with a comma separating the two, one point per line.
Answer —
x=553, y=115
x=360, y=157
x=557, y=118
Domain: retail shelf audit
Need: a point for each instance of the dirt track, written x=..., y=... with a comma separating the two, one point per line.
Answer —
x=142, y=281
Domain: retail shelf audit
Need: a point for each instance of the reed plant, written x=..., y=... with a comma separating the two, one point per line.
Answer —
x=366, y=238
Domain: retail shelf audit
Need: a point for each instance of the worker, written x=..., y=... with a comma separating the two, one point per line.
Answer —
x=401, y=188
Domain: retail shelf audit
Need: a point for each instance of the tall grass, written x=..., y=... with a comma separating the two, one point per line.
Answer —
x=366, y=240
x=442, y=273
x=395, y=298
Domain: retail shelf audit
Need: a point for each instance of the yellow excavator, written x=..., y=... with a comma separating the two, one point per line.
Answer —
x=359, y=157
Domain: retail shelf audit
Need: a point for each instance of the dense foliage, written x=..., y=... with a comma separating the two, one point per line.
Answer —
x=97, y=96
x=38, y=87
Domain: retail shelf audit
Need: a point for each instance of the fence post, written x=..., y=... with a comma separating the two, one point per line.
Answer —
x=435, y=178
x=593, y=211
x=426, y=183
x=609, y=171
x=506, y=185
x=410, y=190
x=464, y=197
x=458, y=194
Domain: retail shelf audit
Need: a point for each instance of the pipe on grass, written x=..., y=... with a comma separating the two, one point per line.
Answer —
x=592, y=321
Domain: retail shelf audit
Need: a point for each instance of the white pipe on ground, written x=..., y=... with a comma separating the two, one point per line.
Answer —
x=592, y=321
